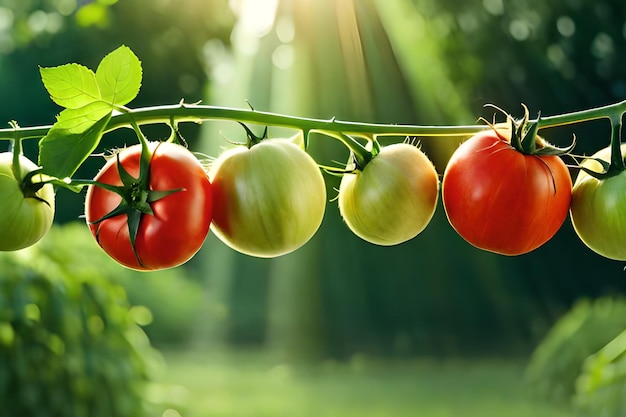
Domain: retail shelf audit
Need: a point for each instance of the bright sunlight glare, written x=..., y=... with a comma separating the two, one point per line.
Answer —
x=255, y=16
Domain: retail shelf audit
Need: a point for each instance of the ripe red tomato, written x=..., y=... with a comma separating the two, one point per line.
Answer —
x=502, y=200
x=180, y=221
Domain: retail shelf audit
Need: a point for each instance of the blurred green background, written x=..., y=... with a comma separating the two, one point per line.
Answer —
x=432, y=327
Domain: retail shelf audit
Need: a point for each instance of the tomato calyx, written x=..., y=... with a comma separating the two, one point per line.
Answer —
x=617, y=164
x=524, y=137
x=26, y=184
x=136, y=196
x=251, y=138
x=30, y=188
x=360, y=155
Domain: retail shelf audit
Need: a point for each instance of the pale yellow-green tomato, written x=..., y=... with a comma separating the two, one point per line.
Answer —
x=269, y=200
x=598, y=209
x=24, y=220
x=393, y=198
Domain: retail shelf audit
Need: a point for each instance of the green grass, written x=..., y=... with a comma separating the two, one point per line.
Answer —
x=247, y=385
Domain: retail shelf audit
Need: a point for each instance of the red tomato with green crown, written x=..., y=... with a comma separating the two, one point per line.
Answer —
x=156, y=219
x=504, y=197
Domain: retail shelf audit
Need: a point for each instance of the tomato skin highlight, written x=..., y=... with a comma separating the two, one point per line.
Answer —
x=501, y=200
x=23, y=220
x=393, y=198
x=269, y=199
x=598, y=209
x=180, y=222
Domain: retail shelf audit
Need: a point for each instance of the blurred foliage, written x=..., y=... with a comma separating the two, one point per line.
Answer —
x=249, y=383
x=554, y=56
x=167, y=35
x=69, y=344
x=558, y=361
x=600, y=388
x=571, y=42
x=166, y=303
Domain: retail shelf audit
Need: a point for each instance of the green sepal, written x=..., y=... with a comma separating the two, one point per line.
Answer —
x=529, y=140
x=158, y=195
x=117, y=189
x=122, y=209
x=127, y=179
x=549, y=149
x=133, y=220
x=515, y=137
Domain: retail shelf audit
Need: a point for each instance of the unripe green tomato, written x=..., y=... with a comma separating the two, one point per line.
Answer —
x=598, y=209
x=269, y=200
x=23, y=220
x=393, y=199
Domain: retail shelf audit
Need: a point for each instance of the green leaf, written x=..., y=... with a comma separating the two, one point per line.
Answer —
x=79, y=120
x=71, y=86
x=89, y=99
x=119, y=76
x=63, y=150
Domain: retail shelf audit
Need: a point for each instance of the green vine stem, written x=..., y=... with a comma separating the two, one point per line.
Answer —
x=617, y=160
x=16, y=149
x=603, y=112
x=195, y=113
x=146, y=154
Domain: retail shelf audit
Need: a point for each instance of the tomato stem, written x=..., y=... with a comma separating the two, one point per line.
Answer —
x=617, y=159
x=595, y=113
x=16, y=149
x=360, y=153
x=146, y=154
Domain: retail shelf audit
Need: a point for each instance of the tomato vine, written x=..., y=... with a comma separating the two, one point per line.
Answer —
x=96, y=103
x=198, y=113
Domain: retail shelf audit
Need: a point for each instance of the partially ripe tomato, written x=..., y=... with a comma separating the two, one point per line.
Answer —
x=269, y=199
x=393, y=198
x=597, y=209
x=179, y=222
x=25, y=216
x=502, y=200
